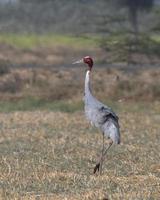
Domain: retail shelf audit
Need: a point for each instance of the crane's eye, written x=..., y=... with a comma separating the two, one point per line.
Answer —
x=86, y=59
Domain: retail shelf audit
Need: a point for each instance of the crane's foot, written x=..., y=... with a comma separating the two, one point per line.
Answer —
x=96, y=168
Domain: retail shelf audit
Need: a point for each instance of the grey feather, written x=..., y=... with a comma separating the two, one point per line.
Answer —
x=100, y=115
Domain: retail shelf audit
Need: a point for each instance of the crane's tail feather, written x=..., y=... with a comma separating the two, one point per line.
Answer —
x=111, y=130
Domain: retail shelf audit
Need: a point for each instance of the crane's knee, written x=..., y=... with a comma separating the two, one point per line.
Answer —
x=110, y=141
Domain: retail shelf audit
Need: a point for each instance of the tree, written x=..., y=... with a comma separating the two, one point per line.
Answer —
x=134, y=6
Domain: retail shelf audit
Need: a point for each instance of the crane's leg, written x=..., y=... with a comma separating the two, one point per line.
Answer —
x=99, y=164
x=101, y=160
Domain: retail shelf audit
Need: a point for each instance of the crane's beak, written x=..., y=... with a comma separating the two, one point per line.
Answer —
x=79, y=61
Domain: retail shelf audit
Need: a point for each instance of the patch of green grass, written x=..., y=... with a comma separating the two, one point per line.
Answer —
x=33, y=40
x=122, y=46
x=30, y=104
x=156, y=38
x=35, y=104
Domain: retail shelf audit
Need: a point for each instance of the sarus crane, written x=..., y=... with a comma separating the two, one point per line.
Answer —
x=100, y=115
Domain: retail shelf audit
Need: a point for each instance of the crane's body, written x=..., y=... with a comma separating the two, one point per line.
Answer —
x=100, y=115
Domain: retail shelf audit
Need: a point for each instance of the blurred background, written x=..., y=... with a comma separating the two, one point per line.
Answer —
x=40, y=39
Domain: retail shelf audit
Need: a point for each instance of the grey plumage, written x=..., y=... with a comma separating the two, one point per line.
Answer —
x=100, y=115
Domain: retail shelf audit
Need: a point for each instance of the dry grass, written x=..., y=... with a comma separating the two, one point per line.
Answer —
x=51, y=155
x=67, y=84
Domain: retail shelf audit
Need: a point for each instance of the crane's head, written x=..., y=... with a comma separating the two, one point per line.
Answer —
x=87, y=60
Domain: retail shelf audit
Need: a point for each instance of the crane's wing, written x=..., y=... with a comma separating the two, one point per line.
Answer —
x=106, y=113
x=97, y=112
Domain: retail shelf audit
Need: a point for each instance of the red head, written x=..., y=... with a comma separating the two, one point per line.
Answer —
x=87, y=60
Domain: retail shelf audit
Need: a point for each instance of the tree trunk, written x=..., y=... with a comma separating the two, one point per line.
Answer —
x=133, y=15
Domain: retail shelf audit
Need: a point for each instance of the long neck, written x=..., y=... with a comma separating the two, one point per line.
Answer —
x=87, y=83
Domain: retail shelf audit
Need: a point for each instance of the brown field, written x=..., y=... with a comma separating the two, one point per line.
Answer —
x=49, y=151
x=51, y=155
x=67, y=84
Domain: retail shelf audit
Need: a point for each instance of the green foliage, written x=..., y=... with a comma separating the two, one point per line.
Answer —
x=83, y=16
x=31, y=103
x=137, y=4
x=134, y=6
x=4, y=67
x=117, y=45
x=32, y=40
x=121, y=46
x=148, y=45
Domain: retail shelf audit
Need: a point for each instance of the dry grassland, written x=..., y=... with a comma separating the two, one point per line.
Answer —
x=47, y=154
x=67, y=84
x=50, y=155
